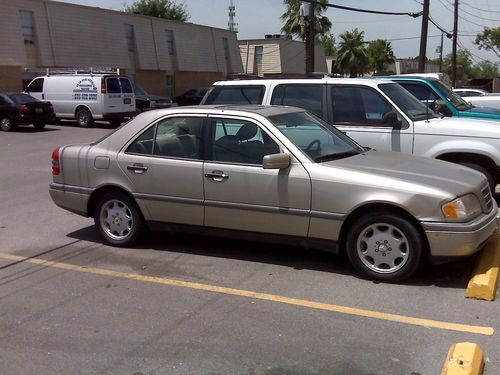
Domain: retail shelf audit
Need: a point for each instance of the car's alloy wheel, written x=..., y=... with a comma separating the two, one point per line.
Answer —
x=118, y=219
x=6, y=124
x=384, y=247
x=84, y=118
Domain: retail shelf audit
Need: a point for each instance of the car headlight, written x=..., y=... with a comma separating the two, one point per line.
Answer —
x=463, y=208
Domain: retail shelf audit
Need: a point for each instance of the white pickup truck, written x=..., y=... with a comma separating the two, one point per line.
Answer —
x=480, y=98
x=379, y=114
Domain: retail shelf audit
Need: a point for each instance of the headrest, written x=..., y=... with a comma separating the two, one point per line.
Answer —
x=247, y=131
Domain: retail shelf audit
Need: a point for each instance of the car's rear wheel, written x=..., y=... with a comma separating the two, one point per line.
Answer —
x=384, y=247
x=118, y=219
x=6, y=124
x=39, y=125
x=84, y=118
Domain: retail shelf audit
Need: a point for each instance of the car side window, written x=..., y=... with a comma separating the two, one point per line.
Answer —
x=309, y=97
x=143, y=144
x=240, y=141
x=358, y=106
x=236, y=95
x=36, y=85
x=179, y=137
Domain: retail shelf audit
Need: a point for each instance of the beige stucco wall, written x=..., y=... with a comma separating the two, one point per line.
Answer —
x=192, y=80
x=10, y=78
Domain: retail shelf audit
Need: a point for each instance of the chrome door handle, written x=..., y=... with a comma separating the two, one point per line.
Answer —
x=137, y=168
x=217, y=175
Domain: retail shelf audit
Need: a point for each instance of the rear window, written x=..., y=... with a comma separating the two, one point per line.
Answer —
x=126, y=85
x=113, y=86
x=236, y=95
x=22, y=98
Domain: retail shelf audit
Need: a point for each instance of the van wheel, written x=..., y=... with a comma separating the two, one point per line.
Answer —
x=39, y=125
x=84, y=118
x=6, y=125
x=384, y=247
x=479, y=168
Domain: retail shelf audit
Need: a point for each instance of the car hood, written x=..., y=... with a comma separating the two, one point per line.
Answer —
x=459, y=126
x=411, y=173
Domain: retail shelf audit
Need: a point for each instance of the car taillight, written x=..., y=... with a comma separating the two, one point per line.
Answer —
x=56, y=168
x=103, y=87
x=24, y=109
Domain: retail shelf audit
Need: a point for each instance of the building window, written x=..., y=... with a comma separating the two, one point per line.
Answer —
x=170, y=42
x=257, y=66
x=170, y=86
x=28, y=26
x=227, y=55
x=129, y=34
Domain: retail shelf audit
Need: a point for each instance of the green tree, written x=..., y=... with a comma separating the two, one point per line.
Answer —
x=486, y=69
x=380, y=54
x=464, y=65
x=489, y=40
x=168, y=9
x=352, y=56
x=295, y=24
x=327, y=41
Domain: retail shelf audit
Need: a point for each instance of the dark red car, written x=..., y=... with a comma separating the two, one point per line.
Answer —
x=22, y=109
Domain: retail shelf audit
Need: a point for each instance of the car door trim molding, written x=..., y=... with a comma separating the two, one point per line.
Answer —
x=167, y=198
x=258, y=207
x=327, y=215
x=71, y=188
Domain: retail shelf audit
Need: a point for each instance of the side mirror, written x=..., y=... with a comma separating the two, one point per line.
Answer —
x=391, y=118
x=276, y=161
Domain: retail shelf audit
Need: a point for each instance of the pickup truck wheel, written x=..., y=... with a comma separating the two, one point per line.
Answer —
x=84, y=118
x=384, y=247
x=479, y=168
x=6, y=125
x=118, y=219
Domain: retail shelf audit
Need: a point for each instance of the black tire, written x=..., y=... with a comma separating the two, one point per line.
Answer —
x=128, y=215
x=84, y=118
x=6, y=124
x=116, y=123
x=410, y=247
x=489, y=176
x=39, y=125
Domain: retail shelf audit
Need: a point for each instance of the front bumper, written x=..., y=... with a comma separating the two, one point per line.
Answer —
x=449, y=240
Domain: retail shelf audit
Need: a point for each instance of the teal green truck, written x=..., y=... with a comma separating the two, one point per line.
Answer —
x=440, y=98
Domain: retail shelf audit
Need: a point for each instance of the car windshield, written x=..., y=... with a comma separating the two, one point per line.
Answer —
x=455, y=99
x=411, y=106
x=316, y=138
x=22, y=98
x=139, y=90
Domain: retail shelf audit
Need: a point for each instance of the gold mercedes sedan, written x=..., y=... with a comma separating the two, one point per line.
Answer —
x=276, y=174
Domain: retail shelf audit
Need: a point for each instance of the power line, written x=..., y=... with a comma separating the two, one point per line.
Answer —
x=483, y=18
x=481, y=10
x=411, y=14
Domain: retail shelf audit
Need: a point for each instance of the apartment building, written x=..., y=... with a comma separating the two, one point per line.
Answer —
x=278, y=55
x=165, y=57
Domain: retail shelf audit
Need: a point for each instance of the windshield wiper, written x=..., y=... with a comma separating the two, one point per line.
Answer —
x=337, y=156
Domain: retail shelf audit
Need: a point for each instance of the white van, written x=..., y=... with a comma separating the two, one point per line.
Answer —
x=86, y=97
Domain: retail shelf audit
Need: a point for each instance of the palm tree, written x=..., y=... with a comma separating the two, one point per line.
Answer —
x=380, y=54
x=296, y=25
x=352, y=56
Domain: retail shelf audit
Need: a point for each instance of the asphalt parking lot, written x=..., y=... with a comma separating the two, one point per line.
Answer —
x=179, y=304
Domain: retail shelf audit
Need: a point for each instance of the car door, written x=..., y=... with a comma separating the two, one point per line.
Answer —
x=164, y=165
x=363, y=113
x=240, y=194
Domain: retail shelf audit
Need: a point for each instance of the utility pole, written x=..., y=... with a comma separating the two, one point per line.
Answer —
x=310, y=37
x=454, y=51
x=441, y=54
x=423, y=37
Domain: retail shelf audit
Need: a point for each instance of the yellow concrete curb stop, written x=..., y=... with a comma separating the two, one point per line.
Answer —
x=484, y=281
x=465, y=358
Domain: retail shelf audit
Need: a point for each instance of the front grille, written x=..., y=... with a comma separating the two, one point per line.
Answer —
x=487, y=197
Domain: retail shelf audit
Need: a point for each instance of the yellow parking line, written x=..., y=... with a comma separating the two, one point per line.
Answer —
x=261, y=296
x=484, y=281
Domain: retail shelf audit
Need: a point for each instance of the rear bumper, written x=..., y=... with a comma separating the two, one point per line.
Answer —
x=71, y=198
x=448, y=240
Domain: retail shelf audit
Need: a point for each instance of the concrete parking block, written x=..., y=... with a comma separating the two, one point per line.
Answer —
x=484, y=281
x=465, y=358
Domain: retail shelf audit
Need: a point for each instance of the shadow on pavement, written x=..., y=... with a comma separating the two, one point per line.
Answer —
x=31, y=129
x=451, y=275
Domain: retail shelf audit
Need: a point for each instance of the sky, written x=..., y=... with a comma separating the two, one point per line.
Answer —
x=256, y=18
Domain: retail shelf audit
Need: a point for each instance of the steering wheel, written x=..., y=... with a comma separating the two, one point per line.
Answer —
x=315, y=142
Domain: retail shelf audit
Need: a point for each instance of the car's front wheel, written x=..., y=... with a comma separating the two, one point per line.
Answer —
x=384, y=247
x=118, y=219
